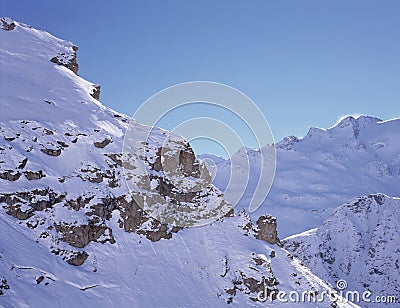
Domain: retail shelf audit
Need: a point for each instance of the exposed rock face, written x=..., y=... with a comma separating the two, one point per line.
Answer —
x=34, y=175
x=266, y=229
x=96, y=92
x=68, y=60
x=22, y=205
x=51, y=152
x=188, y=163
x=246, y=224
x=97, y=200
x=186, y=159
x=79, y=202
x=3, y=285
x=23, y=163
x=78, y=258
x=133, y=218
x=10, y=175
x=177, y=188
x=7, y=24
x=258, y=277
x=103, y=143
x=80, y=236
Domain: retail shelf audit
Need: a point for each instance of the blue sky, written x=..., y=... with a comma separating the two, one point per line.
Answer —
x=304, y=63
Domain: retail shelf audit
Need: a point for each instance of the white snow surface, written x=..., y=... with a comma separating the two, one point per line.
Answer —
x=315, y=174
x=45, y=106
x=358, y=243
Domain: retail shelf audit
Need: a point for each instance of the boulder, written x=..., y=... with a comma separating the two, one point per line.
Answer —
x=266, y=229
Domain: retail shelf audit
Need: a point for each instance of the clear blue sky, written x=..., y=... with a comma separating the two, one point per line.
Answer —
x=304, y=63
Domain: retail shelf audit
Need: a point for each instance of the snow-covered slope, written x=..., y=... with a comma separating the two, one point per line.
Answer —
x=356, y=157
x=71, y=234
x=358, y=243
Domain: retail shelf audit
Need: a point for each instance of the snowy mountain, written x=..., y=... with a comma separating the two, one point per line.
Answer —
x=72, y=234
x=358, y=243
x=317, y=173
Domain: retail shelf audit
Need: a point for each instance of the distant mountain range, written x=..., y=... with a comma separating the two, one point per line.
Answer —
x=316, y=173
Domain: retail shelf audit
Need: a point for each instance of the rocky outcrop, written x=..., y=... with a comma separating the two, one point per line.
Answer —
x=34, y=175
x=78, y=258
x=188, y=162
x=95, y=92
x=79, y=202
x=288, y=143
x=267, y=229
x=157, y=231
x=3, y=285
x=103, y=143
x=22, y=205
x=51, y=152
x=10, y=175
x=23, y=163
x=256, y=278
x=80, y=236
x=116, y=159
x=93, y=174
x=133, y=218
x=245, y=223
x=7, y=24
x=68, y=60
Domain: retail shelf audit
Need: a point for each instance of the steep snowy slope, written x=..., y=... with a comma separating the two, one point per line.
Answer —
x=358, y=243
x=71, y=234
x=358, y=156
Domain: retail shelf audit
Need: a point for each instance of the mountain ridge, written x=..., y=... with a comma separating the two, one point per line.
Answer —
x=326, y=167
x=358, y=243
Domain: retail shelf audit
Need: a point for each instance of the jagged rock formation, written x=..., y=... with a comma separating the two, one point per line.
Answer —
x=7, y=24
x=70, y=61
x=95, y=92
x=70, y=142
x=267, y=229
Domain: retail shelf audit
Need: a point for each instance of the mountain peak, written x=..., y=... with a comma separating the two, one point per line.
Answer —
x=287, y=143
x=356, y=122
x=361, y=231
